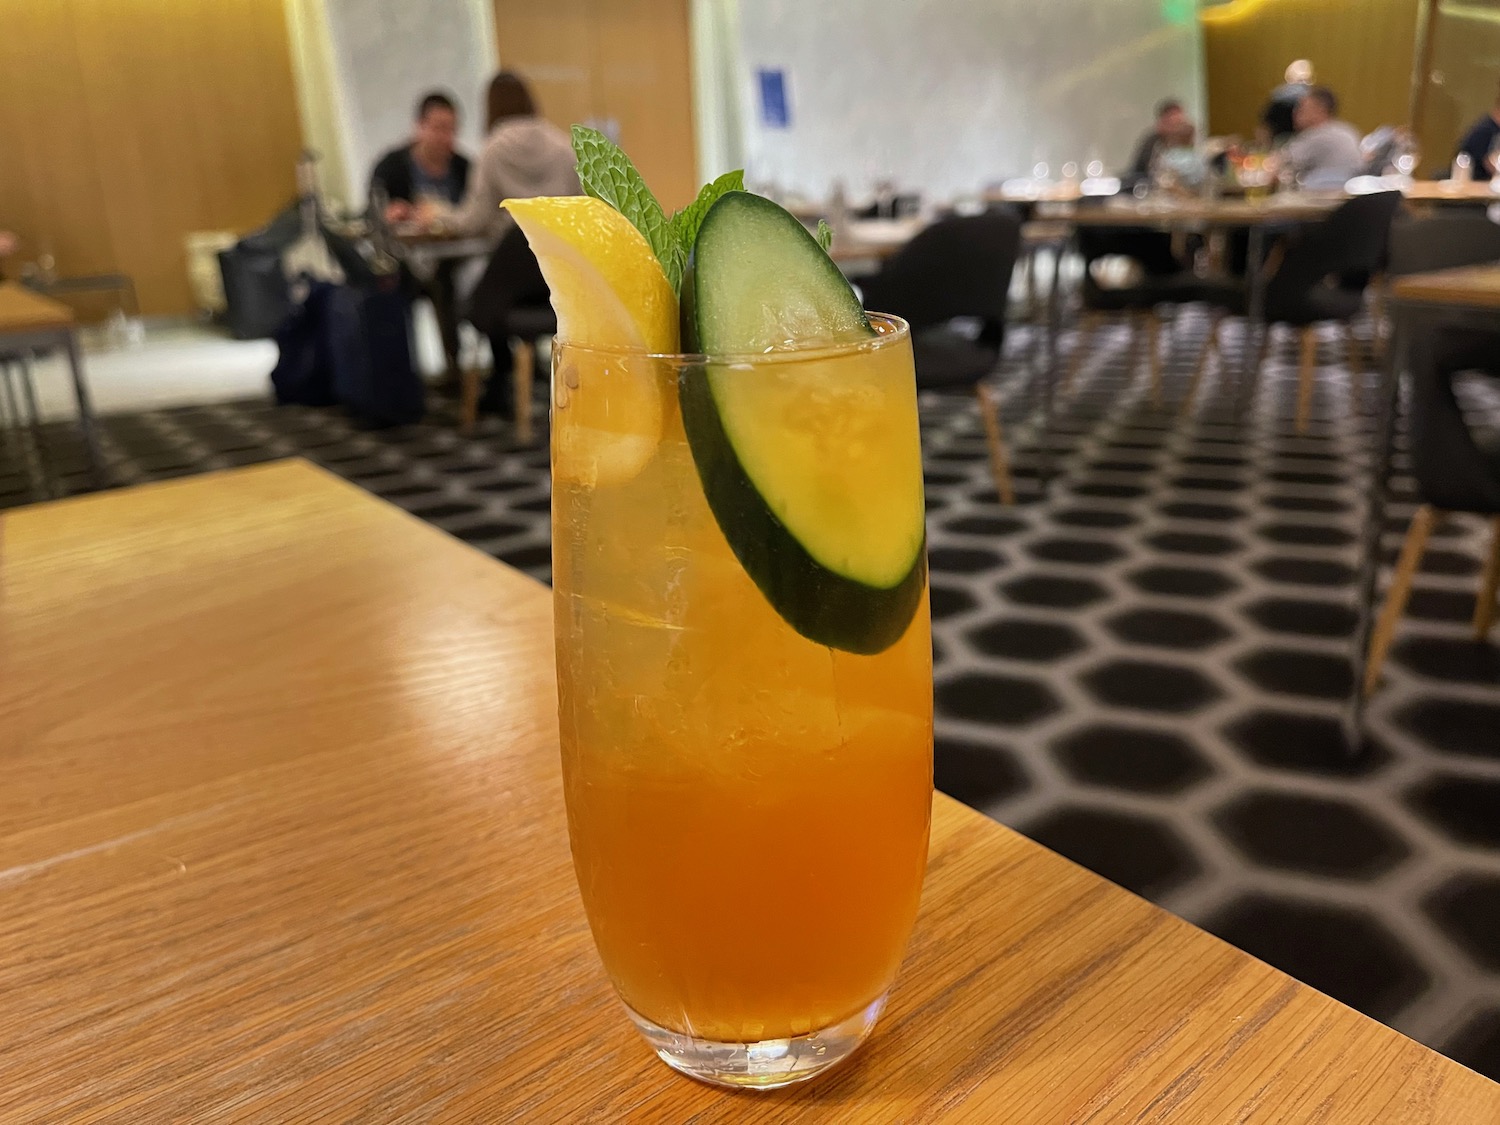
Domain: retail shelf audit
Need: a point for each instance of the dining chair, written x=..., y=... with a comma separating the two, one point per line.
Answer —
x=1164, y=280
x=511, y=304
x=1317, y=274
x=958, y=269
x=1455, y=471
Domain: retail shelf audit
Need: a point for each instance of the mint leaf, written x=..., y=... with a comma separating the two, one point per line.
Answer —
x=686, y=222
x=825, y=235
x=606, y=173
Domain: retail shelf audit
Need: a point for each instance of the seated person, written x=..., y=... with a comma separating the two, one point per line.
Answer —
x=1278, y=118
x=416, y=178
x=1479, y=143
x=428, y=167
x=1325, y=153
x=1166, y=131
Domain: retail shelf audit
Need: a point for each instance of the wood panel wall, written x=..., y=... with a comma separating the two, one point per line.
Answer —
x=1362, y=49
x=125, y=124
x=1463, y=73
x=625, y=61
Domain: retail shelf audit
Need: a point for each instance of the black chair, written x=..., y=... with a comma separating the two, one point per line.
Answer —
x=958, y=268
x=1454, y=471
x=1318, y=273
x=512, y=305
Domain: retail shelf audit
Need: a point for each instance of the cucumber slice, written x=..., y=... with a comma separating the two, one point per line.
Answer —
x=811, y=464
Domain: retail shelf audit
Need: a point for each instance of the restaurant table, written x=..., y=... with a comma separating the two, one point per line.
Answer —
x=867, y=240
x=1416, y=302
x=30, y=322
x=1194, y=214
x=282, y=839
x=1450, y=191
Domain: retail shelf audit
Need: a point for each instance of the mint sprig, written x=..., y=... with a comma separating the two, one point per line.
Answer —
x=607, y=173
x=825, y=235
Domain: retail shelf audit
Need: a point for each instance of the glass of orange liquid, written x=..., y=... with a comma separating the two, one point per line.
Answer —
x=746, y=728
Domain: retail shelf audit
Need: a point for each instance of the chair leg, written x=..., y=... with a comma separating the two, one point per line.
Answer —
x=1087, y=326
x=1153, y=346
x=468, y=399
x=989, y=414
x=1395, y=600
x=1354, y=356
x=525, y=376
x=1484, y=607
x=1379, y=320
x=1209, y=349
x=1306, y=369
x=1267, y=342
x=1033, y=294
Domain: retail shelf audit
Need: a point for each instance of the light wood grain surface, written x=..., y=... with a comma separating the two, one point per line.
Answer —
x=21, y=310
x=1445, y=191
x=1190, y=212
x=282, y=839
x=1470, y=287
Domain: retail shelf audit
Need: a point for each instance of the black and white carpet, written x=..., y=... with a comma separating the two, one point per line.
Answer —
x=1144, y=670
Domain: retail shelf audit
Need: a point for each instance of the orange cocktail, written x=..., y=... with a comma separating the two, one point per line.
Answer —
x=748, y=805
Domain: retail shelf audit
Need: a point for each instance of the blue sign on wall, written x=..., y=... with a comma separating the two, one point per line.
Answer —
x=775, y=112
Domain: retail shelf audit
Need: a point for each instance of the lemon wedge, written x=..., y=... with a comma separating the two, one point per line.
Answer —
x=609, y=292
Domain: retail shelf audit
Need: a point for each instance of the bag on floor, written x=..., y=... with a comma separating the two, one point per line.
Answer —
x=367, y=337
x=303, y=375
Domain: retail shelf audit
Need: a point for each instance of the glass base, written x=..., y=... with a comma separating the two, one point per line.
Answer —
x=765, y=1065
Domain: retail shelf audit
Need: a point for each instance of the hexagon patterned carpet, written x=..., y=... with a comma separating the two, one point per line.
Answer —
x=1144, y=670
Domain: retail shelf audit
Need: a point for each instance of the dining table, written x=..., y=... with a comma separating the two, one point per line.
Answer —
x=282, y=838
x=32, y=323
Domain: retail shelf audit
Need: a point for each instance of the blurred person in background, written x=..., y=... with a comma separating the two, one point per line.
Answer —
x=1480, y=142
x=428, y=168
x=1169, y=130
x=418, y=181
x=523, y=156
x=1325, y=153
x=1278, y=118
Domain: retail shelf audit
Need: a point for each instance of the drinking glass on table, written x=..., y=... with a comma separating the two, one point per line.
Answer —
x=746, y=737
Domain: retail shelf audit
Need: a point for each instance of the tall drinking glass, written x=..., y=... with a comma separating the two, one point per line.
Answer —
x=748, y=807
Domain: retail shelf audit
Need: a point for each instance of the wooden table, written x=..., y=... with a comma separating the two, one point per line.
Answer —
x=1448, y=191
x=864, y=240
x=30, y=322
x=282, y=839
x=1194, y=213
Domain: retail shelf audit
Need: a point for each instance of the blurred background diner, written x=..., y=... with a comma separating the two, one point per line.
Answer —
x=1211, y=424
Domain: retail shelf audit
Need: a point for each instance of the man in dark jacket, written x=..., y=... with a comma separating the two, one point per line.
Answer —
x=425, y=174
x=1480, y=141
x=428, y=167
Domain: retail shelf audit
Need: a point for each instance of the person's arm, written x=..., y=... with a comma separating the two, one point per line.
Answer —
x=480, y=210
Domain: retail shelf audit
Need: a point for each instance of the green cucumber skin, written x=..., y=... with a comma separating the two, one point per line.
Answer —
x=697, y=341
x=823, y=606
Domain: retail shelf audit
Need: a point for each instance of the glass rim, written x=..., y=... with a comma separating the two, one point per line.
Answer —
x=897, y=330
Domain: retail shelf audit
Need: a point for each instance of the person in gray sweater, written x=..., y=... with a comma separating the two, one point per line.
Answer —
x=1325, y=152
x=524, y=155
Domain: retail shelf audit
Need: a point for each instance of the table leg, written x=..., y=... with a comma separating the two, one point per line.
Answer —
x=28, y=392
x=1045, y=466
x=1369, y=563
x=1256, y=313
x=85, y=409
